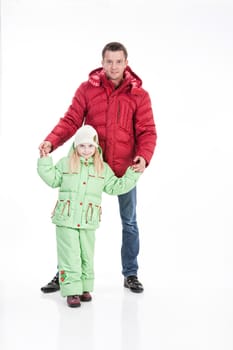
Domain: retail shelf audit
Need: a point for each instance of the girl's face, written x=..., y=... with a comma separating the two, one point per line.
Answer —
x=86, y=150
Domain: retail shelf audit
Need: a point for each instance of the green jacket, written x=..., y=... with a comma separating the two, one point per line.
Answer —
x=80, y=194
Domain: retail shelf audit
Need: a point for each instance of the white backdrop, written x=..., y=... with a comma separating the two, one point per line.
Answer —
x=183, y=51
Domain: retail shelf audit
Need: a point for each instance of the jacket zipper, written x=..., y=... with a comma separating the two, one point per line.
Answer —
x=118, y=112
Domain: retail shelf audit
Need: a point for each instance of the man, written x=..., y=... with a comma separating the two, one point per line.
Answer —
x=115, y=104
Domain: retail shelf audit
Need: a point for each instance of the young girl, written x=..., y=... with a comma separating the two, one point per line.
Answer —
x=82, y=177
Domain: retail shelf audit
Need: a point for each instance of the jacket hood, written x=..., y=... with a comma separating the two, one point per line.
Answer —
x=97, y=77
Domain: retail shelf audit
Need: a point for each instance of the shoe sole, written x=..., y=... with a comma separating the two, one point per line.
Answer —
x=85, y=300
x=77, y=305
x=46, y=291
x=134, y=290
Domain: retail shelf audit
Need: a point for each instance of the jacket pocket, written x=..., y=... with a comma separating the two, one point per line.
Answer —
x=125, y=113
x=93, y=214
x=62, y=209
x=95, y=185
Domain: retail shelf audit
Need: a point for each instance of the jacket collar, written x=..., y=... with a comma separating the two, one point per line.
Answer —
x=86, y=161
x=97, y=78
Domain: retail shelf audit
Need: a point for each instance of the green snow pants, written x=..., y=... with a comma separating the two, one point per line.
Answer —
x=75, y=252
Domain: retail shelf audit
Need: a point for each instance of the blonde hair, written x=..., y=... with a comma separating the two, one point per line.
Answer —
x=74, y=162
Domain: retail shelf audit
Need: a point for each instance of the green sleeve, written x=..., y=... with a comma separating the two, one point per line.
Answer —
x=50, y=174
x=119, y=185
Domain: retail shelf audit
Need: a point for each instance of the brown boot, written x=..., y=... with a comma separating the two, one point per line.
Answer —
x=73, y=301
x=86, y=296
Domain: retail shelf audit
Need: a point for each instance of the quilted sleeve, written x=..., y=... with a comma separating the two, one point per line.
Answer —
x=50, y=174
x=145, y=129
x=72, y=120
x=118, y=185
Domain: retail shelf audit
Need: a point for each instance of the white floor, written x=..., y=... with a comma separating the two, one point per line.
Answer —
x=169, y=318
x=183, y=51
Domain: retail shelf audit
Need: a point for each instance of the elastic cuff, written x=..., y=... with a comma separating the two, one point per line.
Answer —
x=88, y=285
x=71, y=289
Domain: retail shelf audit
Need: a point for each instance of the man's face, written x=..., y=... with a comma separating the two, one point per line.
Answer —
x=114, y=64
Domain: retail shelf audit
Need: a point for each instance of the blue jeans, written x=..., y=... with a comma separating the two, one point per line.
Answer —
x=130, y=234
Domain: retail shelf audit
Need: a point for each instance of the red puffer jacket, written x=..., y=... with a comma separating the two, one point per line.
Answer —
x=122, y=117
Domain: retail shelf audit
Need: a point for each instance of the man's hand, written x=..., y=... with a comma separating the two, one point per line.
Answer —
x=44, y=148
x=139, y=164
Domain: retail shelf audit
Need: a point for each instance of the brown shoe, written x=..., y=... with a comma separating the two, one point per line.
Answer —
x=73, y=301
x=86, y=296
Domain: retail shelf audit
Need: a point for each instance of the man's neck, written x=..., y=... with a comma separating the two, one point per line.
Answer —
x=117, y=83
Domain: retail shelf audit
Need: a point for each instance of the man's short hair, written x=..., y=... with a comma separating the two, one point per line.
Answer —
x=114, y=46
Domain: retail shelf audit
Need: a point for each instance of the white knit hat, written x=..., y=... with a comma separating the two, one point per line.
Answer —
x=86, y=134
